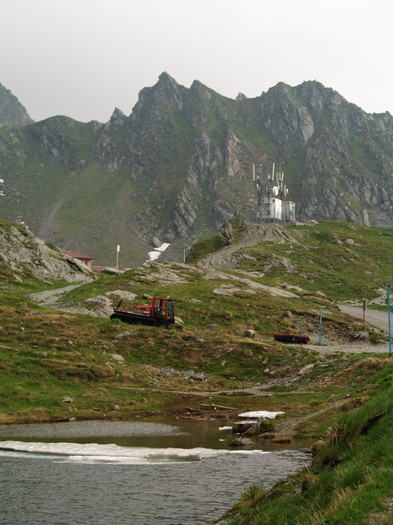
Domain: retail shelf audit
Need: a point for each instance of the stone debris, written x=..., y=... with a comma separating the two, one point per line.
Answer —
x=122, y=335
x=122, y=294
x=117, y=357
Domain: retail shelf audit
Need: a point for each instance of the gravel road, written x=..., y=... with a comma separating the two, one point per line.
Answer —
x=328, y=347
x=50, y=297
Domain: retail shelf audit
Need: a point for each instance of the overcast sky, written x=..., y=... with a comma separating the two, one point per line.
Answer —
x=83, y=58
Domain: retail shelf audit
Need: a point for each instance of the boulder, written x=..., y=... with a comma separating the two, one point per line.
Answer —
x=361, y=336
x=123, y=335
x=240, y=427
x=25, y=254
x=242, y=442
x=156, y=242
x=122, y=294
x=117, y=357
x=112, y=271
x=306, y=369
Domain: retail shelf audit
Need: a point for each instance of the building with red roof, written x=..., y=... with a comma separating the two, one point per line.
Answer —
x=86, y=259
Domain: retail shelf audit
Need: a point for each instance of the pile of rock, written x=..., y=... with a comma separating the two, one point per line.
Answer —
x=251, y=424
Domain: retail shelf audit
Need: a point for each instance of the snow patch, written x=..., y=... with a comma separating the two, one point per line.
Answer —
x=260, y=414
x=155, y=254
x=96, y=453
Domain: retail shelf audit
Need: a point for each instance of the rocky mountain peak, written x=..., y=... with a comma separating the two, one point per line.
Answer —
x=160, y=100
x=283, y=114
x=241, y=97
x=200, y=90
x=11, y=110
x=118, y=118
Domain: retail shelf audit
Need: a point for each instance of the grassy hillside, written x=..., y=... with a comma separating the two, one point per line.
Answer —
x=47, y=355
x=345, y=261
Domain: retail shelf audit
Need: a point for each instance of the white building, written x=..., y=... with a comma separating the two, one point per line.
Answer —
x=289, y=211
x=272, y=193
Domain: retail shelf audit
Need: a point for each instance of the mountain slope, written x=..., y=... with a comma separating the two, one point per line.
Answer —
x=180, y=165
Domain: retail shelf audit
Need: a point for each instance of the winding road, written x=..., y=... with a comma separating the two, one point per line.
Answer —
x=373, y=317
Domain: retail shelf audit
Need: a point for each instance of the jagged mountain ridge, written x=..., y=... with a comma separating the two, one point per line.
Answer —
x=181, y=164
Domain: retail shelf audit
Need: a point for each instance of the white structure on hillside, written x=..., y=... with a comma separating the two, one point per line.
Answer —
x=273, y=203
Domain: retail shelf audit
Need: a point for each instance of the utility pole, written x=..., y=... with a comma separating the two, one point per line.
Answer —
x=320, y=326
x=364, y=312
x=117, y=255
x=390, y=326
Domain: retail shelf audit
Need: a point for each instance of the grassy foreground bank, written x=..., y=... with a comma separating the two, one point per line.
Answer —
x=350, y=479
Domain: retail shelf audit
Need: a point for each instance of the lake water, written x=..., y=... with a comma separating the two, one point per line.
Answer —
x=130, y=472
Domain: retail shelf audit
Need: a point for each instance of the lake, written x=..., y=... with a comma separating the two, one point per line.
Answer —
x=147, y=472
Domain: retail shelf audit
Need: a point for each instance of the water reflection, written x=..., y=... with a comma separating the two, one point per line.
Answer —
x=156, y=432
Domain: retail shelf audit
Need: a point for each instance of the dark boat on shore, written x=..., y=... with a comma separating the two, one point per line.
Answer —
x=292, y=338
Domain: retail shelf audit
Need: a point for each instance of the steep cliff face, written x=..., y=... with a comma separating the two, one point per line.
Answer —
x=180, y=165
x=347, y=168
x=11, y=110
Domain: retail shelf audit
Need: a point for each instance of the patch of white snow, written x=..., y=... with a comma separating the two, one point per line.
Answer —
x=155, y=254
x=260, y=414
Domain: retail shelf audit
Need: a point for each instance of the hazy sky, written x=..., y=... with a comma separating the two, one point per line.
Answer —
x=83, y=58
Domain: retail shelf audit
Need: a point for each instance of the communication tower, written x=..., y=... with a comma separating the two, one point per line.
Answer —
x=272, y=196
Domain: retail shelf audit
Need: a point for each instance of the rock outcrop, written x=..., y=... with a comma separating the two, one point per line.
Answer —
x=22, y=255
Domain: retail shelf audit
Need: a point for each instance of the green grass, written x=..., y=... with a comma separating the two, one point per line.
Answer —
x=345, y=261
x=70, y=354
x=350, y=477
x=72, y=350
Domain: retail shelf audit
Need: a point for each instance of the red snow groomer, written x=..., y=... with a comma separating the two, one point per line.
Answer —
x=160, y=312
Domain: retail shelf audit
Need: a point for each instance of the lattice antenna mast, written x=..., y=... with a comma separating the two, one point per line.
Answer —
x=256, y=177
